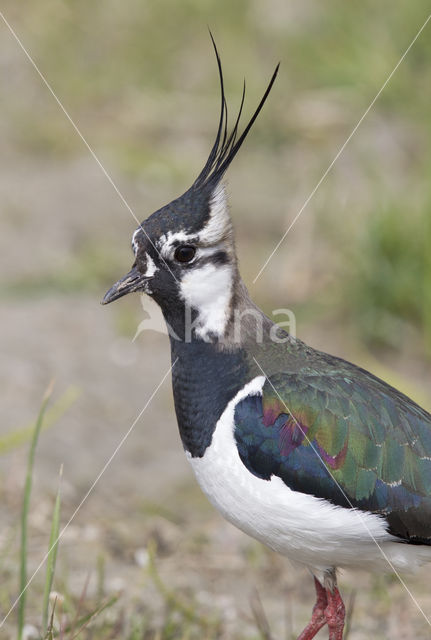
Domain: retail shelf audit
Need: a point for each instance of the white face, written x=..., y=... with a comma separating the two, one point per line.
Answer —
x=208, y=289
x=202, y=264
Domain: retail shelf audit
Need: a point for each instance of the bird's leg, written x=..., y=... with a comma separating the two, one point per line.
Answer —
x=318, y=617
x=335, y=611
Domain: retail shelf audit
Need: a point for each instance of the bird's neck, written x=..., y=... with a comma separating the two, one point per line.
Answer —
x=209, y=367
x=214, y=359
x=207, y=374
x=205, y=379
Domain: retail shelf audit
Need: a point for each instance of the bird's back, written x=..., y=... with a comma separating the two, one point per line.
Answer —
x=336, y=431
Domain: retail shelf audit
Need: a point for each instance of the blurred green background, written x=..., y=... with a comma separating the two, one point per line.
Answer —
x=139, y=79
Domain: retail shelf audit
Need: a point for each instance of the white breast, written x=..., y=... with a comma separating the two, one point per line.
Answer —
x=307, y=529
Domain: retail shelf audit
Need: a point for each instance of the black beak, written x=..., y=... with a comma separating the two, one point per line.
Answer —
x=131, y=282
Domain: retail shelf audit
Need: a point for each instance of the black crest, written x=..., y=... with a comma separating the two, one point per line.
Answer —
x=226, y=146
x=191, y=211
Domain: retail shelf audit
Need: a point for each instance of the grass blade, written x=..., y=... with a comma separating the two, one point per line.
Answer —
x=24, y=513
x=52, y=555
x=85, y=621
x=17, y=437
x=260, y=616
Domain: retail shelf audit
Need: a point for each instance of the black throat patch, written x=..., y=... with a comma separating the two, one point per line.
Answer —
x=204, y=381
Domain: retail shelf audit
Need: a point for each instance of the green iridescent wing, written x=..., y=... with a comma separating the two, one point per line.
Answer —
x=352, y=440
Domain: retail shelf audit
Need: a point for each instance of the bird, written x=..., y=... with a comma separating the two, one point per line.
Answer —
x=313, y=456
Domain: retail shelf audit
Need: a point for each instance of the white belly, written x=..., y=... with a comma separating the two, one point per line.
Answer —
x=307, y=529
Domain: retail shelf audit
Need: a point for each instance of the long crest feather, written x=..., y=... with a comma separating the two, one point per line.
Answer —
x=227, y=145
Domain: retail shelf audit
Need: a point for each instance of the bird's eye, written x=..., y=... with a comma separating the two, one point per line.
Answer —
x=185, y=253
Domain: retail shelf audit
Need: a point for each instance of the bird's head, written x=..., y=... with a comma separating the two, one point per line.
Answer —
x=184, y=252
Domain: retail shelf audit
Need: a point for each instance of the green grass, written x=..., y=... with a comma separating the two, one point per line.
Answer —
x=390, y=278
x=51, y=559
x=19, y=436
x=98, y=616
x=91, y=269
x=24, y=516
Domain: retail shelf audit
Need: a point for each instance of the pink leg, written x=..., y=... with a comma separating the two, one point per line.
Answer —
x=318, y=618
x=334, y=614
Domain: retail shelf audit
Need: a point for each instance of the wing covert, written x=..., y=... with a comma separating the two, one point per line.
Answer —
x=337, y=438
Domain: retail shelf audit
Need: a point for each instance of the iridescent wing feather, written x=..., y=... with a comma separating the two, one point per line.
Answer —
x=353, y=441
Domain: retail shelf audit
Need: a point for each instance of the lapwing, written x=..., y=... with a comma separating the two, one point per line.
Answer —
x=318, y=459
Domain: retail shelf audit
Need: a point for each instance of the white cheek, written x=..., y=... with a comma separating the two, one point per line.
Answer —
x=209, y=291
x=151, y=266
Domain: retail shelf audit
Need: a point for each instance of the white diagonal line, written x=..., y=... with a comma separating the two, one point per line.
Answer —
x=100, y=474
x=84, y=140
x=355, y=510
x=340, y=151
